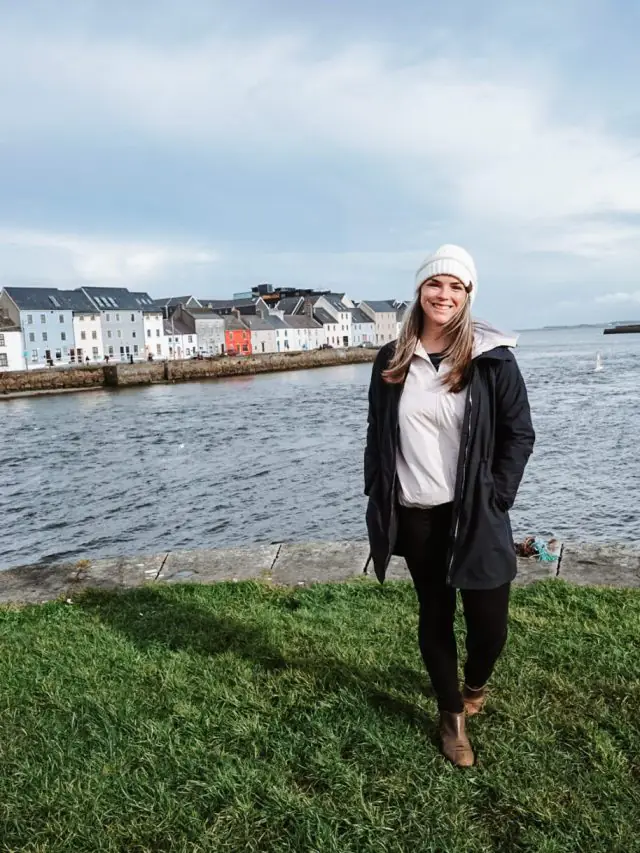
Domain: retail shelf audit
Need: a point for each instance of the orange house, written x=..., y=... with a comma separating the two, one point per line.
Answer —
x=237, y=338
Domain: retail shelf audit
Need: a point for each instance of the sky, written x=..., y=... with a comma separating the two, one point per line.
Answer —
x=203, y=147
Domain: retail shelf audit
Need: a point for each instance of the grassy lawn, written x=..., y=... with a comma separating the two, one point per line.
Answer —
x=240, y=717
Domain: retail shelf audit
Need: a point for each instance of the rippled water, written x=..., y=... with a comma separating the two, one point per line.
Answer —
x=279, y=457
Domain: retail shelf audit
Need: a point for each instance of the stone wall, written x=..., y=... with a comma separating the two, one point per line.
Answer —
x=51, y=379
x=292, y=564
x=121, y=375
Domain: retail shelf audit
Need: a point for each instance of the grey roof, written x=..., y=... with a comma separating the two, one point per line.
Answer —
x=380, y=307
x=258, y=324
x=335, y=299
x=45, y=298
x=177, y=327
x=105, y=297
x=289, y=304
x=202, y=314
x=146, y=302
x=232, y=323
x=276, y=322
x=323, y=316
x=359, y=316
x=173, y=301
x=227, y=303
x=301, y=321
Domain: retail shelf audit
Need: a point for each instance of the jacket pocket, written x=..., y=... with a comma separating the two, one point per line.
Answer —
x=496, y=501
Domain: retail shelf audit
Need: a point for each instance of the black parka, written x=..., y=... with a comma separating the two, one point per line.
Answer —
x=496, y=441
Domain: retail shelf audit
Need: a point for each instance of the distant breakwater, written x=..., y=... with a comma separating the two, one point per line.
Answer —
x=125, y=375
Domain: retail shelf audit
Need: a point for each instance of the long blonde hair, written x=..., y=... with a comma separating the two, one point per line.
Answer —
x=459, y=330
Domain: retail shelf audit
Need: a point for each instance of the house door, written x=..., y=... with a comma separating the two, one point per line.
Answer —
x=345, y=341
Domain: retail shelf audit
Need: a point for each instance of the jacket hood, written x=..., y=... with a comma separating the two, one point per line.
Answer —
x=486, y=338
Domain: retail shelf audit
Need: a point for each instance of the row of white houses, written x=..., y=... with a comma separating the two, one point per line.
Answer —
x=41, y=327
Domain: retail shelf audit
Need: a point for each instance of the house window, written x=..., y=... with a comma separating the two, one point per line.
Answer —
x=133, y=334
x=148, y=333
x=29, y=319
x=190, y=339
x=65, y=351
x=245, y=348
x=93, y=318
x=110, y=350
x=94, y=336
x=44, y=336
x=109, y=335
x=43, y=318
x=58, y=355
x=4, y=361
x=107, y=317
x=157, y=333
x=32, y=337
x=63, y=336
x=135, y=349
x=188, y=351
x=133, y=318
x=94, y=352
x=119, y=333
x=83, y=336
x=2, y=343
x=34, y=356
x=117, y=318
x=61, y=318
x=159, y=349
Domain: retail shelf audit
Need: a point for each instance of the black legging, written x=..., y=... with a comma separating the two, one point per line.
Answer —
x=423, y=537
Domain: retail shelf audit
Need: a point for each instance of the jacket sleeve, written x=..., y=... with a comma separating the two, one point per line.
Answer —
x=371, y=451
x=515, y=436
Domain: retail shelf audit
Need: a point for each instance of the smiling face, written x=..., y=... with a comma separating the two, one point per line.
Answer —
x=441, y=298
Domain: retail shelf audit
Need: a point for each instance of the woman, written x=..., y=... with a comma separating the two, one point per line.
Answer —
x=448, y=440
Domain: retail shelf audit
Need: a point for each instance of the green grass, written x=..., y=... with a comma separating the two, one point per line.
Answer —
x=241, y=717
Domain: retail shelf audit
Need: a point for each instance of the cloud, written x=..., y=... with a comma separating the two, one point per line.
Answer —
x=100, y=260
x=495, y=152
x=618, y=298
x=494, y=137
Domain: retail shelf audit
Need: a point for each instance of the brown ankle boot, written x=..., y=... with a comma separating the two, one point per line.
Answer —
x=455, y=743
x=473, y=699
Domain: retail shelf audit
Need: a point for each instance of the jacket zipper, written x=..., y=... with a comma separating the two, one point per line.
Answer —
x=462, y=486
x=395, y=468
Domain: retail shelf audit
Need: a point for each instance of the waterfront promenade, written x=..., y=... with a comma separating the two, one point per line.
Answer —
x=296, y=564
x=125, y=375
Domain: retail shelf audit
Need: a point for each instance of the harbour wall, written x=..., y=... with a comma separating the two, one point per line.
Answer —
x=123, y=375
x=288, y=564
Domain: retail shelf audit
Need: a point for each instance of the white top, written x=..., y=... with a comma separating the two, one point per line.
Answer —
x=430, y=420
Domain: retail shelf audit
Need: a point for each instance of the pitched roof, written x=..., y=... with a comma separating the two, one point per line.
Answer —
x=335, y=299
x=259, y=324
x=227, y=303
x=49, y=298
x=323, y=316
x=289, y=304
x=380, y=307
x=301, y=321
x=146, y=302
x=202, y=314
x=232, y=323
x=359, y=316
x=112, y=298
x=177, y=327
x=174, y=301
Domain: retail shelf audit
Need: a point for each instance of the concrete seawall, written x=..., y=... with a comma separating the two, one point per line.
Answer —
x=123, y=375
x=295, y=564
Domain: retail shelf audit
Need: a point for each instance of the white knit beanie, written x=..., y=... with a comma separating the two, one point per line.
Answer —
x=450, y=260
